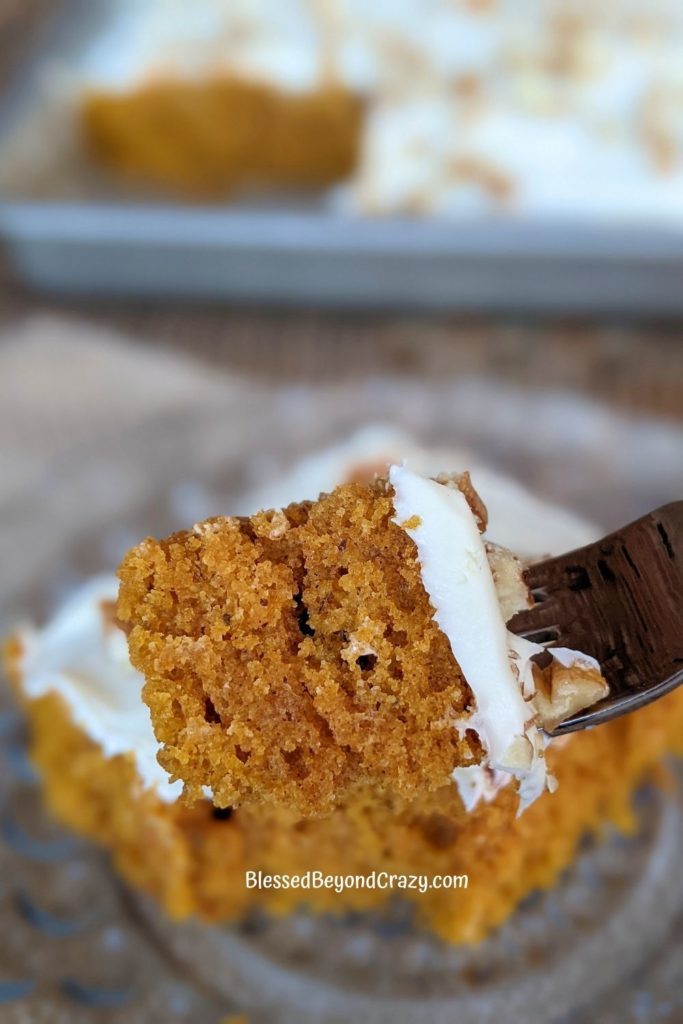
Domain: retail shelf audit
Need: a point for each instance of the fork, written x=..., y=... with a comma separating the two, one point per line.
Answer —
x=621, y=601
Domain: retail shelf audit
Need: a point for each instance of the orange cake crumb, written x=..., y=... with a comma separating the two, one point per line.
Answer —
x=292, y=655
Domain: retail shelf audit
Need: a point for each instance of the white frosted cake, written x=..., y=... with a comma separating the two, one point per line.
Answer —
x=547, y=107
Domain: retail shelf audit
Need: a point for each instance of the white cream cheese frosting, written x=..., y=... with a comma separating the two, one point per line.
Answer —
x=495, y=663
x=479, y=782
x=85, y=661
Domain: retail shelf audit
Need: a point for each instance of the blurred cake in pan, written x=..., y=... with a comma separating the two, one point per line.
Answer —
x=443, y=107
x=94, y=743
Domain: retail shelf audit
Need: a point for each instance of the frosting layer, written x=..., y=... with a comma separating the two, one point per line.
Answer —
x=84, y=659
x=496, y=664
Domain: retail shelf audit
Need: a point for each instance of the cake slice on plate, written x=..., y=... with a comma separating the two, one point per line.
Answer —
x=94, y=746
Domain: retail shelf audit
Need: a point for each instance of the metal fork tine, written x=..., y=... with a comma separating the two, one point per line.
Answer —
x=540, y=618
x=620, y=600
x=536, y=576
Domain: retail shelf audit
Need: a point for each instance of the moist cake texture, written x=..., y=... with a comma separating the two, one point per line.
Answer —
x=296, y=655
x=292, y=654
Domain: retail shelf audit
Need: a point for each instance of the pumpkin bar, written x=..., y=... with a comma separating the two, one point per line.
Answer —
x=295, y=655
